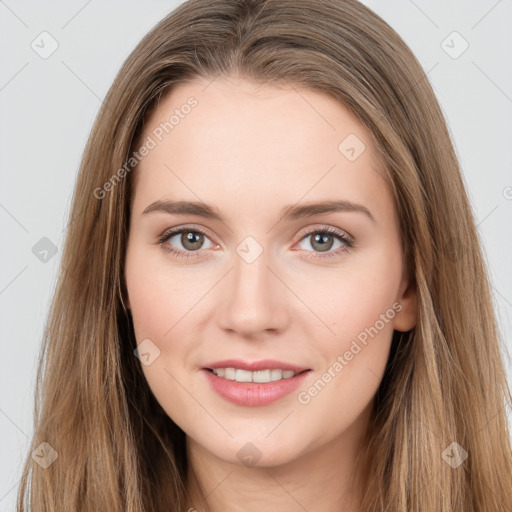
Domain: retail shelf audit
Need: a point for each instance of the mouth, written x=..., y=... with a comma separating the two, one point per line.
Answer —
x=254, y=384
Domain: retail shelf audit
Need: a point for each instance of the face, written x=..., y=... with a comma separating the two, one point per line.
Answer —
x=262, y=276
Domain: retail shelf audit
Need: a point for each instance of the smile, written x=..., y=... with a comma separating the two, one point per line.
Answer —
x=249, y=391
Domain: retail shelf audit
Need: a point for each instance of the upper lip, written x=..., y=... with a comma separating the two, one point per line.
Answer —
x=253, y=366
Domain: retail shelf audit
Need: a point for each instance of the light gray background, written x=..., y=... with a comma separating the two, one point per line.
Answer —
x=47, y=107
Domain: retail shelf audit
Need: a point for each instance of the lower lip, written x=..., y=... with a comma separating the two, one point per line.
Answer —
x=254, y=394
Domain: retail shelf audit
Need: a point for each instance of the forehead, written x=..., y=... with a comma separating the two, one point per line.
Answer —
x=231, y=136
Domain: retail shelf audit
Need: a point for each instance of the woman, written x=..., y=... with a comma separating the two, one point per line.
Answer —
x=202, y=352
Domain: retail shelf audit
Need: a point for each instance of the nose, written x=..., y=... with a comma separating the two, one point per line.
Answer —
x=253, y=301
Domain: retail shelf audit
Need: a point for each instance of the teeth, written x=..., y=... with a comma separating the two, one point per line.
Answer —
x=243, y=376
x=261, y=376
x=229, y=373
x=276, y=375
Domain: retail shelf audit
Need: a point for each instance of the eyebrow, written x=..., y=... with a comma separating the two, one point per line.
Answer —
x=290, y=212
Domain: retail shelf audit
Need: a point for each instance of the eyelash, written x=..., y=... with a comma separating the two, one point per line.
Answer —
x=348, y=241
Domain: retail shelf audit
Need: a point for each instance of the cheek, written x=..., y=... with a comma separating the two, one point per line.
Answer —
x=359, y=312
x=162, y=309
x=173, y=388
x=354, y=297
x=158, y=298
x=361, y=324
x=358, y=304
x=159, y=305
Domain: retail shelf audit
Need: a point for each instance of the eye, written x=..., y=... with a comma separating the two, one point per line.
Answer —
x=190, y=239
x=322, y=241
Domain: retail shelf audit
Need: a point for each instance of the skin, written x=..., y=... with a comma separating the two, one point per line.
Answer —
x=250, y=151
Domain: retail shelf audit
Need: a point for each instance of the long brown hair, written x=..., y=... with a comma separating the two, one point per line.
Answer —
x=445, y=383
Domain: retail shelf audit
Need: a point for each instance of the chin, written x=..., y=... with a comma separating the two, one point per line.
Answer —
x=256, y=451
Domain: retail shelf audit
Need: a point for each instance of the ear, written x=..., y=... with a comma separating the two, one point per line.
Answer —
x=406, y=317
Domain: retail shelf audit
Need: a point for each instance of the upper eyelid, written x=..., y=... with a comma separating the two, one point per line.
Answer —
x=169, y=233
x=321, y=227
